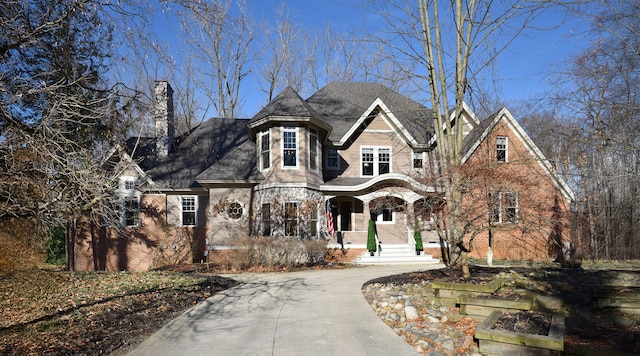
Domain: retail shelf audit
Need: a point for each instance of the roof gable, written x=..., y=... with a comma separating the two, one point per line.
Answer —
x=484, y=128
x=345, y=106
x=394, y=123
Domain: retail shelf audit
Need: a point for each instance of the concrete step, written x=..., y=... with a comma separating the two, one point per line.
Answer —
x=395, y=254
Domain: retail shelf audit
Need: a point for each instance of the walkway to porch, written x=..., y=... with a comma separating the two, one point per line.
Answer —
x=395, y=254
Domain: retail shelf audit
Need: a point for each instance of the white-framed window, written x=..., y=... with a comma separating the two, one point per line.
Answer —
x=235, y=210
x=313, y=221
x=127, y=185
x=503, y=207
x=131, y=211
x=130, y=201
x=291, y=219
x=313, y=150
x=290, y=147
x=189, y=206
x=375, y=160
x=418, y=160
x=511, y=207
x=265, y=150
x=130, y=184
x=502, y=149
x=333, y=159
x=265, y=213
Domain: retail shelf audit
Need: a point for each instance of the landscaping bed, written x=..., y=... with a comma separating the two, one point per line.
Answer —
x=571, y=291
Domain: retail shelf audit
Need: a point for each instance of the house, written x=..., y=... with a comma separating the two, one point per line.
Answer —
x=357, y=150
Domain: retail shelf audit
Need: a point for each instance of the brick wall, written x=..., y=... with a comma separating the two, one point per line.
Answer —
x=150, y=245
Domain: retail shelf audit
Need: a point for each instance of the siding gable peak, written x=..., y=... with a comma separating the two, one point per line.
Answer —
x=378, y=106
x=482, y=131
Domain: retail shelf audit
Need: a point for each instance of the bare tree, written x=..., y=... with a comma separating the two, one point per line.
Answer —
x=220, y=36
x=283, y=44
x=440, y=46
x=604, y=112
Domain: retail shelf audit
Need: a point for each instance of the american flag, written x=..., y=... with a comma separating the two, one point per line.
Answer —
x=329, y=219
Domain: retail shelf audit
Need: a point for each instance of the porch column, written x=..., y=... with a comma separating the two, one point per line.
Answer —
x=366, y=212
x=411, y=223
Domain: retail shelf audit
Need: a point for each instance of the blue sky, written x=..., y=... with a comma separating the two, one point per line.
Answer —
x=524, y=71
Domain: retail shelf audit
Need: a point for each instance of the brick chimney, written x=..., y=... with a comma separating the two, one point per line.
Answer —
x=163, y=118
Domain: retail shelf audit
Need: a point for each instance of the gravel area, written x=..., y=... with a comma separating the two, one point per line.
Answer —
x=410, y=310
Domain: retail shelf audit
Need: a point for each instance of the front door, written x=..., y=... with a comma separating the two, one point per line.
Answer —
x=345, y=216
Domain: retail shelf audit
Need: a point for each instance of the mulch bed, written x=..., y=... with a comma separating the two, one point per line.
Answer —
x=525, y=322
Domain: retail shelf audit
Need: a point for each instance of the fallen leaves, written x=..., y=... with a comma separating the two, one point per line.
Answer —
x=64, y=313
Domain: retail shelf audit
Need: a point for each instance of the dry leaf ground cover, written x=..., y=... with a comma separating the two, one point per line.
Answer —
x=49, y=312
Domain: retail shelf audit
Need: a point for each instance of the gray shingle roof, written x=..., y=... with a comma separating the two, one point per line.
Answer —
x=193, y=152
x=287, y=103
x=240, y=165
x=220, y=149
x=341, y=104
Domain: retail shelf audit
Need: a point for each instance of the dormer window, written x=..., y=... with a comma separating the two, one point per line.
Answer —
x=501, y=149
x=290, y=147
x=127, y=185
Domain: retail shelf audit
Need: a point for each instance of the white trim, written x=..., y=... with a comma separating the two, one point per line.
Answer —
x=376, y=160
x=377, y=179
x=137, y=168
x=422, y=157
x=399, y=128
x=219, y=181
x=296, y=130
x=286, y=185
x=465, y=109
x=261, y=135
x=195, y=210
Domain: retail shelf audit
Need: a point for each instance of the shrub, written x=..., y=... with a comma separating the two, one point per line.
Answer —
x=371, y=237
x=274, y=252
x=417, y=236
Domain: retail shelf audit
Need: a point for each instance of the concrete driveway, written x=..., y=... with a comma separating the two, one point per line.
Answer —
x=296, y=313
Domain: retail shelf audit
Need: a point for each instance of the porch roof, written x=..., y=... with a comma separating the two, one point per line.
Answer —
x=346, y=184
